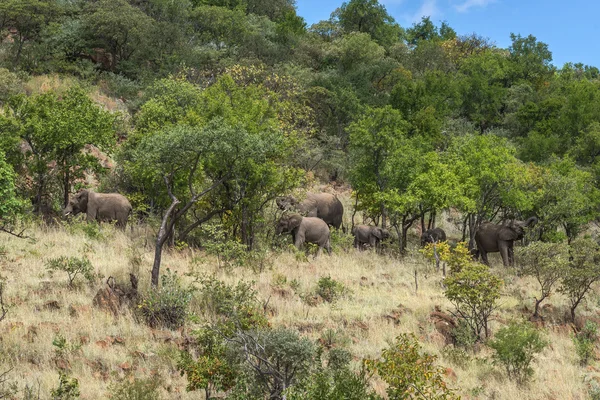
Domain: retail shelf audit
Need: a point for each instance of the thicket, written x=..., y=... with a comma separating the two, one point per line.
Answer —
x=203, y=112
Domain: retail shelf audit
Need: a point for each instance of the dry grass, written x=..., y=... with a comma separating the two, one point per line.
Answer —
x=381, y=303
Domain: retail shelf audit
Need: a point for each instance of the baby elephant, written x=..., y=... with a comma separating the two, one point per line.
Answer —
x=305, y=229
x=100, y=207
x=434, y=235
x=373, y=235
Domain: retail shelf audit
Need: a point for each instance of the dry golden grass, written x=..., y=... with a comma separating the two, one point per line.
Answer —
x=381, y=303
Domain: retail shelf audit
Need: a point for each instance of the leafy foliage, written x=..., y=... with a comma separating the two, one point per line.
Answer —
x=516, y=346
x=166, y=306
x=474, y=292
x=73, y=266
x=585, y=342
x=410, y=373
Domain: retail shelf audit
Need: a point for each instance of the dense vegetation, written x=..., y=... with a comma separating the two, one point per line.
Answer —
x=223, y=105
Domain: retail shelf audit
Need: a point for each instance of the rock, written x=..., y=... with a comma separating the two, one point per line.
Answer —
x=125, y=366
x=444, y=324
x=102, y=344
x=78, y=310
x=449, y=372
x=62, y=364
x=111, y=298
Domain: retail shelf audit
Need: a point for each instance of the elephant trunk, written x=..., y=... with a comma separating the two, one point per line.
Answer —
x=531, y=221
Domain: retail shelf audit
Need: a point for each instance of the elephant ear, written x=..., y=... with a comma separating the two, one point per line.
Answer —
x=294, y=221
x=509, y=232
x=378, y=233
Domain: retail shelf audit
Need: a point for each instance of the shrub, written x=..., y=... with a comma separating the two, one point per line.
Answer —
x=230, y=253
x=138, y=389
x=456, y=258
x=546, y=262
x=7, y=389
x=167, y=305
x=67, y=388
x=91, y=230
x=585, y=342
x=329, y=289
x=474, y=291
x=73, y=266
x=516, y=346
x=409, y=373
x=334, y=381
x=230, y=307
x=582, y=273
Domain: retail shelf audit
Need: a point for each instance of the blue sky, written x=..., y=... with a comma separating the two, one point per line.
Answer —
x=570, y=28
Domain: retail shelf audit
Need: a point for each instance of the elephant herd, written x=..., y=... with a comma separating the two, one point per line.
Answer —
x=309, y=221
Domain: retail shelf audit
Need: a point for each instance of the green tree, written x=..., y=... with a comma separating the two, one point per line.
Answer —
x=530, y=60
x=546, y=263
x=28, y=18
x=121, y=30
x=9, y=202
x=57, y=129
x=370, y=17
x=474, y=292
x=582, y=273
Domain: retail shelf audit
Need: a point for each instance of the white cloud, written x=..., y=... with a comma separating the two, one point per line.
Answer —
x=464, y=7
x=429, y=8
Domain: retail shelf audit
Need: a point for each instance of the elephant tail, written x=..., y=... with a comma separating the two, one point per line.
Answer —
x=344, y=228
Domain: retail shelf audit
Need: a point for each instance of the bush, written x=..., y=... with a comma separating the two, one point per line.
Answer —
x=516, y=346
x=167, y=305
x=73, y=266
x=67, y=388
x=546, y=262
x=139, y=389
x=329, y=289
x=334, y=381
x=456, y=258
x=582, y=273
x=230, y=307
x=585, y=342
x=409, y=373
x=474, y=291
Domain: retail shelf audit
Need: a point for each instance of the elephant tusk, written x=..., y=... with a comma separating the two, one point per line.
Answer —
x=67, y=214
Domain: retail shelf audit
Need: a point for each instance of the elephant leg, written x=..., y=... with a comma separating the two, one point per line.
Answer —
x=319, y=251
x=328, y=247
x=504, y=254
x=511, y=255
x=299, y=241
x=484, y=258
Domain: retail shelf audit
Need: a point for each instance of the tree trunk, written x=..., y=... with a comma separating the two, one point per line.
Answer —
x=161, y=238
x=66, y=185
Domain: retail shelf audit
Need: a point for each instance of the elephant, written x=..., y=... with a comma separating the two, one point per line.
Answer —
x=434, y=235
x=491, y=238
x=305, y=229
x=373, y=235
x=321, y=205
x=100, y=207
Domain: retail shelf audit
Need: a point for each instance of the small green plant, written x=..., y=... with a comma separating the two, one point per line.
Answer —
x=67, y=388
x=73, y=266
x=167, y=305
x=62, y=347
x=474, y=292
x=329, y=289
x=230, y=253
x=409, y=373
x=456, y=356
x=139, y=389
x=90, y=229
x=585, y=342
x=456, y=257
x=516, y=346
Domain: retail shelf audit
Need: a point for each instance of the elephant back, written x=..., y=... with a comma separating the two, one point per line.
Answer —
x=329, y=208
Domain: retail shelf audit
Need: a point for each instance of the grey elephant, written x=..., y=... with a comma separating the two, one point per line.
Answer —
x=367, y=234
x=100, y=207
x=305, y=229
x=321, y=205
x=491, y=238
x=434, y=235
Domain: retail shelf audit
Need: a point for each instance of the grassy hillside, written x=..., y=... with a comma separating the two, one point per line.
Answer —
x=380, y=302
